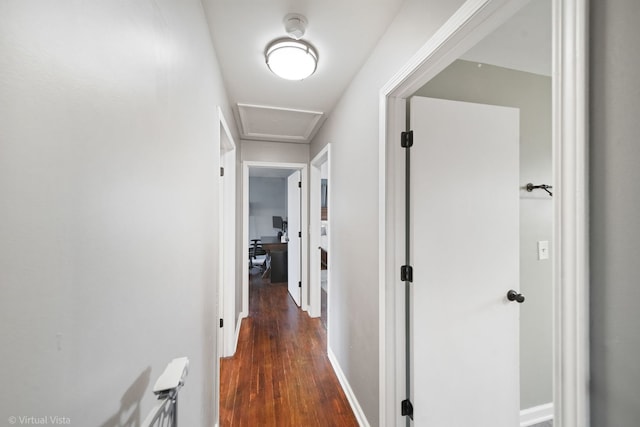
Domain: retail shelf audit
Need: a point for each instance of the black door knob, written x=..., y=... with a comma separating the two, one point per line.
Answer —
x=515, y=296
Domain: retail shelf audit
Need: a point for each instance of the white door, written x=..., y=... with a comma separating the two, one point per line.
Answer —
x=464, y=244
x=294, y=228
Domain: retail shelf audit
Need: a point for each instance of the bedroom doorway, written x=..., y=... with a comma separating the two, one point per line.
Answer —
x=319, y=236
x=470, y=24
x=266, y=213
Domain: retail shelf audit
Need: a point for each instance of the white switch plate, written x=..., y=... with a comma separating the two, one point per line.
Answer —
x=543, y=249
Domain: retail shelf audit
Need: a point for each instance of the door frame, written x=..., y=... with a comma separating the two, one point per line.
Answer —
x=226, y=278
x=228, y=236
x=304, y=273
x=471, y=23
x=315, y=295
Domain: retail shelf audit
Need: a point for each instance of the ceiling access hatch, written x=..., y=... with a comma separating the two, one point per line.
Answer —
x=266, y=123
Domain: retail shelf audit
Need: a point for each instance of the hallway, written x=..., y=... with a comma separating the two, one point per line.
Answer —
x=280, y=374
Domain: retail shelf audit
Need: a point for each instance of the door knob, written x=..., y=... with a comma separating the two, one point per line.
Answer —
x=515, y=296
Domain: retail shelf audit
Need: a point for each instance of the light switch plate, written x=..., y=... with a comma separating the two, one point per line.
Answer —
x=543, y=250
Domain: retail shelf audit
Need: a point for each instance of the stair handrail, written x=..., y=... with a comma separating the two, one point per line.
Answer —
x=166, y=388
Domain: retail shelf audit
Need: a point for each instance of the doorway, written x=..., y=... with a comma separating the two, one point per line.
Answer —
x=483, y=76
x=271, y=220
x=319, y=236
x=469, y=25
x=227, y=234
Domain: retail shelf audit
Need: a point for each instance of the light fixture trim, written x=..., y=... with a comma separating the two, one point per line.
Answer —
x=291, y=59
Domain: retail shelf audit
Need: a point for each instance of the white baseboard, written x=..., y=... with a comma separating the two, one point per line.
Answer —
x=241, y=316
x=536, y=414
x=351, y=397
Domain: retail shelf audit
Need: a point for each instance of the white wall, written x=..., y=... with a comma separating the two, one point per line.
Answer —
x=277, y=152
x=615, y=209
x=108, y=217
x=267, y=198
x=531, y=94
x=352, y=129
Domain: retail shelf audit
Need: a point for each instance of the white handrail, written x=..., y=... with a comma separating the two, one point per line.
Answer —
x=165, y=413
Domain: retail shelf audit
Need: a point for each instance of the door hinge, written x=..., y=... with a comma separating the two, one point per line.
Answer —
x=299, y=284
x=406, y=273
x=221, y=171
x=300, y=234
x=299, y=184
x=406, y=139
x=221, y=323
x=406, y=408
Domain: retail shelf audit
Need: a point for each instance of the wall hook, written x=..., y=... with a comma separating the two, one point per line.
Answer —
x=530, y=187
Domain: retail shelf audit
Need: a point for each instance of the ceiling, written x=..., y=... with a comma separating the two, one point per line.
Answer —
x=268, y=108
x=271, y=109
x=522, y=43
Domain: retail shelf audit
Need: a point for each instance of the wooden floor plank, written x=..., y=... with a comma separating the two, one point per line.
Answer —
x=280, y=374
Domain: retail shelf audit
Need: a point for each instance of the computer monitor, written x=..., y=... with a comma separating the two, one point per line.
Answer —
x=277, y=222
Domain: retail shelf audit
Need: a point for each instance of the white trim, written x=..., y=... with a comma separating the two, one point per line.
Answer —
x=304, y=274
x=315, y=294
x=571, y=358
x=226, y=230
x=351, y=397
x=229, y=282
x=241, y=316
x=474, y=20
x=535, y=415
x=391, y=238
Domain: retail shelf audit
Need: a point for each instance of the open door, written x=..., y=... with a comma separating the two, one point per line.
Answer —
x=464, y=253
x=294, y=232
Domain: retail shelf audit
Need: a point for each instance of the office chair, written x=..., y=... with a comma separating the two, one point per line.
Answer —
x=257, y=255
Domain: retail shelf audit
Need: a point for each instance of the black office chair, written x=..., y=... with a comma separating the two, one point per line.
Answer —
x=257, y=255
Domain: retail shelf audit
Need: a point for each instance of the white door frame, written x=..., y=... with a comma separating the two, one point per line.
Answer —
x=226, y=277
x=304, y=274
x=471, y=23
x=315, y=295
x=228, y=230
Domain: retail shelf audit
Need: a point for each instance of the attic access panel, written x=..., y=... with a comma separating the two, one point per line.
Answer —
x=265, y=123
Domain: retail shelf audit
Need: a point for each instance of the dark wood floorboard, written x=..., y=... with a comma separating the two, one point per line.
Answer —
x=280, y=374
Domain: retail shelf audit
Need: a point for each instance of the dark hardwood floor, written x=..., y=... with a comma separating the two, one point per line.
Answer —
x=280, y=374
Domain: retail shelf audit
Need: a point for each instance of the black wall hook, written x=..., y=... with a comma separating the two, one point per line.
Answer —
x=530, y=187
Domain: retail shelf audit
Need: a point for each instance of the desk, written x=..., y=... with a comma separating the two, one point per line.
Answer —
x=277, y=266
x=274, y=247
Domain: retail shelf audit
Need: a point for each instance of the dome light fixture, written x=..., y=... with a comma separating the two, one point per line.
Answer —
x=292, y=58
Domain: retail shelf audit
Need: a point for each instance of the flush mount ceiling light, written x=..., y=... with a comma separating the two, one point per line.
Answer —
x=292, y=58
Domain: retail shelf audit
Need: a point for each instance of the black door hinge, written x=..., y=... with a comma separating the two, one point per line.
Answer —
x=406, y=408
x=221, y=323
x=299, y=184
x=221, y=171
x=299, y=284
x=406, y=139
x=406, y=273
x=300, y=234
